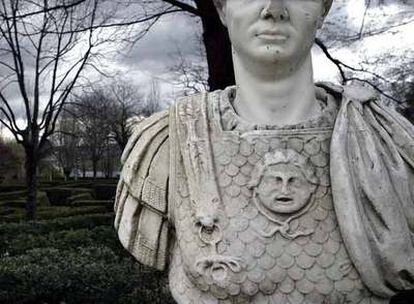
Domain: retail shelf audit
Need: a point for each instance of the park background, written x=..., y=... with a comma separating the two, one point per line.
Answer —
x=76, y=76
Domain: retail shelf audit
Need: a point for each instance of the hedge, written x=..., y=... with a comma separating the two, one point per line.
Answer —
x=81, y=196
x=73, y=222
x=21, y=203
x=18, y=198
x=65, y=239
x=84, y=203
x=52, y=213
x=59, y=196
x=71, y=254
x=92, y=274
x=12, y=195
x=11, y=188
x=105, y=191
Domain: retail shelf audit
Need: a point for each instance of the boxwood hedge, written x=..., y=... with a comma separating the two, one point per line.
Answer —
x=93, y=274
x=75, y=259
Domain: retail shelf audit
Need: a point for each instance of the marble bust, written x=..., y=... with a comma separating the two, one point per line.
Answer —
x=276, y=190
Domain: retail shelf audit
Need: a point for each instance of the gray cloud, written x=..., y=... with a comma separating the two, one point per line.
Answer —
x=153, y=52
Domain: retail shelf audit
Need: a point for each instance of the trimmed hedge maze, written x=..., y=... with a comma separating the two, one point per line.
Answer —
x=71, y=253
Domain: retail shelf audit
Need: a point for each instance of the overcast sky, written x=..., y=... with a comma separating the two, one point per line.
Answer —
x=151, y=57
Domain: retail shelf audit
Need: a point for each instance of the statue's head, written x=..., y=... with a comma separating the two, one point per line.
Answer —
x=272, y=30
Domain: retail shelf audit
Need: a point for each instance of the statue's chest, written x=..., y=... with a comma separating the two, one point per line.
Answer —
x=279, y=233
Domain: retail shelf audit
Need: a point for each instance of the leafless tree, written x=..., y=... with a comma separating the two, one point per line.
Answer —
x=98, y=122
x=66, y=142
x=91, y=111
x=41, y=45
x=127, y=101
x=152, y=100
x=45, y=45
x=385, y=71
x=190, y=72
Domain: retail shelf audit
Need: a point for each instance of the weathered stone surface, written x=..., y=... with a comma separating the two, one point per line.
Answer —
x=310, y=203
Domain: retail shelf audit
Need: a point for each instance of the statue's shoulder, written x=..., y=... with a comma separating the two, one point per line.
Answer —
x=145, y=131
x=141, y=204
x=372, y=175
x=147, y=146
x=354, y=92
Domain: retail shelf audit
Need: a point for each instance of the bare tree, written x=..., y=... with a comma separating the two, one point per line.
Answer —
x=190, y=72
x=66, y=141
x=127, y=101
x=152, y=100
x=41, y=45
x=91, y=111
x=98, y=122
x=386, y=70
x=45, y=45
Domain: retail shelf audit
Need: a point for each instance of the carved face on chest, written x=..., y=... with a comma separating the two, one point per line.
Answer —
x=283, y=182
x=284, y=188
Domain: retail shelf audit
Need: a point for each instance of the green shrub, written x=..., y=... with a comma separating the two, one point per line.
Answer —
x=6, y=211
x=53, y=183
x=80, y=197
x=18, y=199
x=59, y=196
x=11, y=188
x=105, y=191
x=108, y=204
x=61, y=212
x=64, y=239
x=46, y=226
x=17, y=238
x=75, y=259
x=79, y=184
x=12, y=195
x=92, y=274
x=66, y=184
x=55, y=212
x=42, y=199
x=21, y=203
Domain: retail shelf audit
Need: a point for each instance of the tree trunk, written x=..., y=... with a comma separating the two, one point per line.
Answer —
x=94, y=167
x=31, y=181
x=66, y=173
x=218, y=47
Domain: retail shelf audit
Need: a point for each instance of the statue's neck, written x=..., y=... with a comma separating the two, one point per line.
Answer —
x=275, y=94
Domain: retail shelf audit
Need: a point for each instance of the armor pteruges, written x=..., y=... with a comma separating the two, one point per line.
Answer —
x=255, y=209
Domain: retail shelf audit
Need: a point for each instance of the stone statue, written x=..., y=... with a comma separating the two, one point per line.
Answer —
x=275, y=190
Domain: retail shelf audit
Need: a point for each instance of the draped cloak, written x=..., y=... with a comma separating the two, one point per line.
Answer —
x=372, y=178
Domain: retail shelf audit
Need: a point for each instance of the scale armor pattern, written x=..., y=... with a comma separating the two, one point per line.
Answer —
x=308, y=269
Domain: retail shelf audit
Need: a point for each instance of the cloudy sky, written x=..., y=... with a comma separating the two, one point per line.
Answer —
x=152, y=57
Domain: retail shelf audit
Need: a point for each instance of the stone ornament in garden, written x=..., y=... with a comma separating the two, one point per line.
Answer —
x=275, y=190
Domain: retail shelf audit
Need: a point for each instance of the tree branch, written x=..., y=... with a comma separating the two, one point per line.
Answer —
x=340, y=65
x=184, y=6
x=48, y=9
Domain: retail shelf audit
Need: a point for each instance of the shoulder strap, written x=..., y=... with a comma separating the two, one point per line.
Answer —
x=195, y=147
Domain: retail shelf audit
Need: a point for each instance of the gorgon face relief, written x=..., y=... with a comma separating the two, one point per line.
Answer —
x=284, y=189
x=284, y=182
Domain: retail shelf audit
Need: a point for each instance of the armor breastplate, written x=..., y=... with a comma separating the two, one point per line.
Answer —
x=279, y=240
